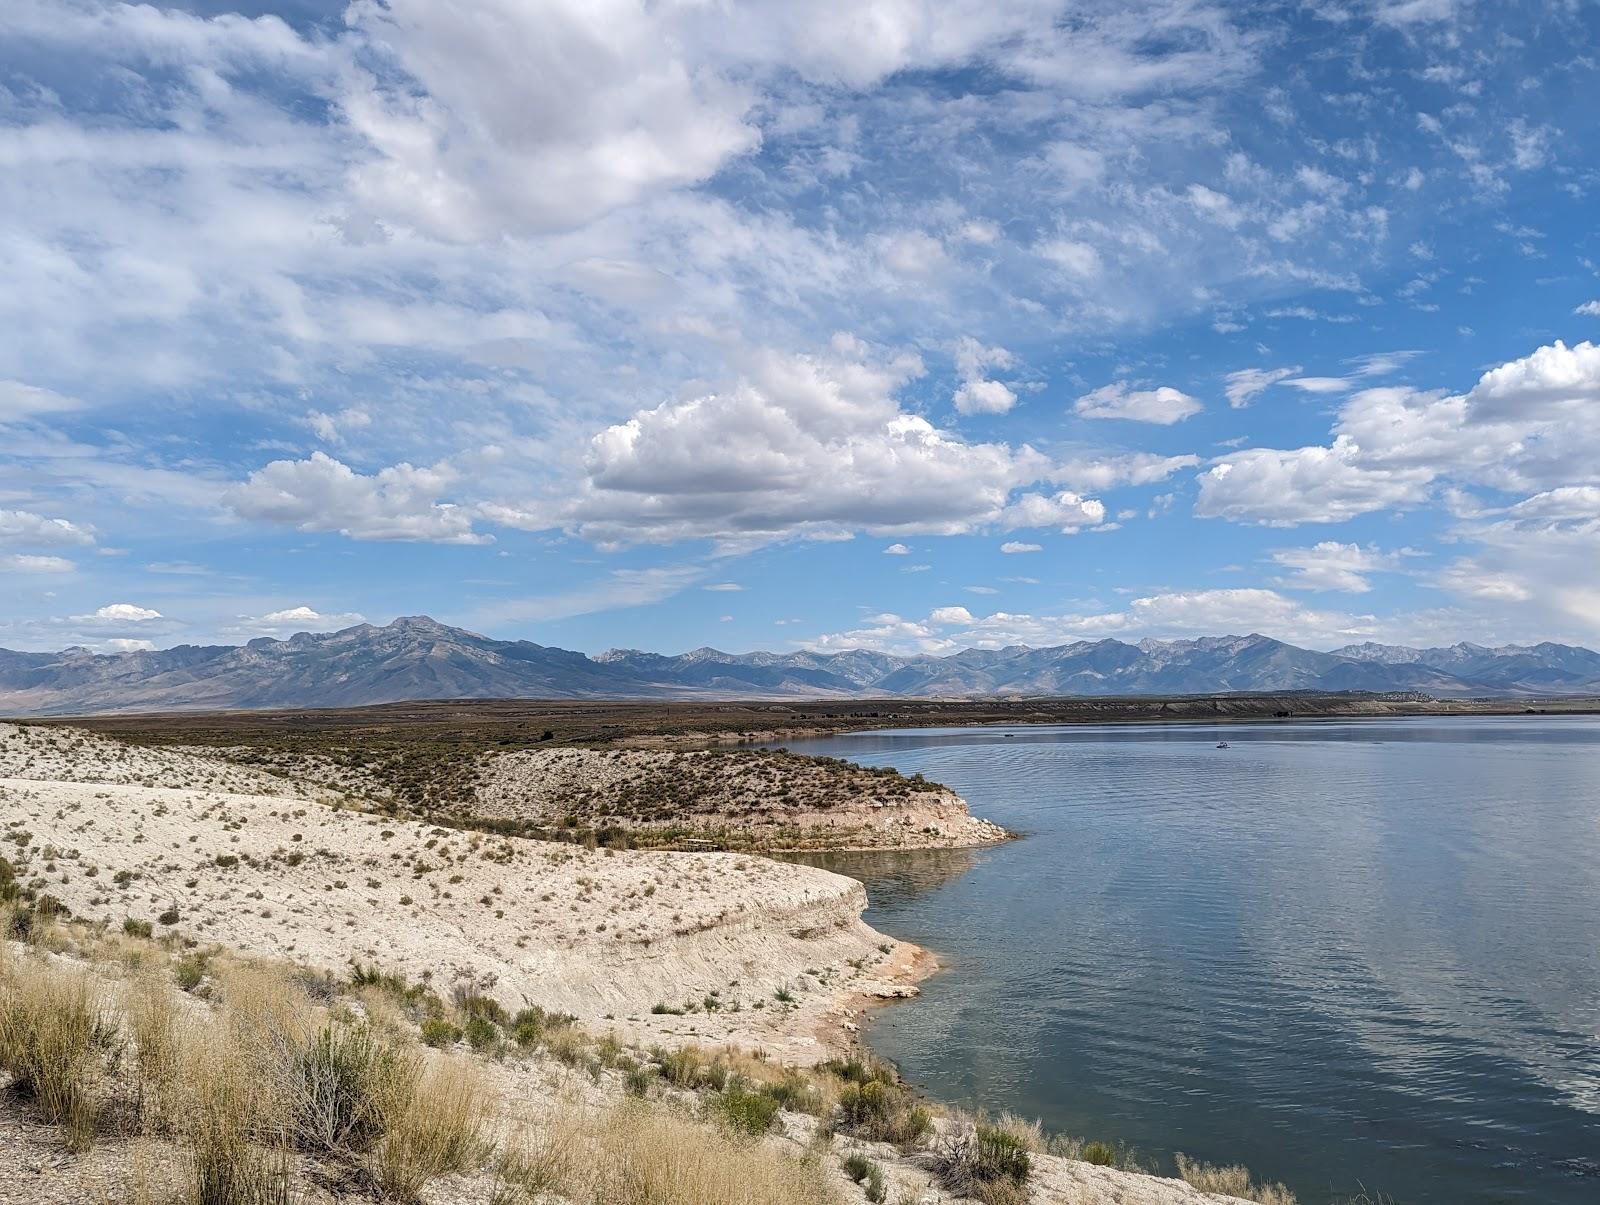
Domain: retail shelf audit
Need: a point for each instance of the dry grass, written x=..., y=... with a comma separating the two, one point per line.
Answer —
x=55, y=1031
x=639, y=1154
x=1233, y=1181
x=437, y=1128
x=234, y=1123
x=152, y=1012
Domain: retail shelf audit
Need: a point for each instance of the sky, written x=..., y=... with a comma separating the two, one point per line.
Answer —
x=902, y=324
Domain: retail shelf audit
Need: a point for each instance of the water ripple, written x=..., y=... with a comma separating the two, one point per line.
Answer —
x=1346, y=953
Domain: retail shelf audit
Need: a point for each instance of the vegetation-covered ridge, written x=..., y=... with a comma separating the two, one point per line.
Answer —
x=598, y=794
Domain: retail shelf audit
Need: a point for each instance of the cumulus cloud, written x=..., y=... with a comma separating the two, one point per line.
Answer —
x=1331, y=565
x=127, y=644
x=121, y=613
x=21, y=528
x=1162, y=405
x=1066, y=510
x=984, y=397
x=977, y=393
x=1305, y=485
x=294, y=619
x=323, y=494
x=1554, y=382
x=1589, y=309
x=1011, y=547
x=1528, y=424
x=897, y=550
x=811, y=445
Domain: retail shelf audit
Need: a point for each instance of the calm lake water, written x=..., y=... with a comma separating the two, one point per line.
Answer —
x=1345, y=954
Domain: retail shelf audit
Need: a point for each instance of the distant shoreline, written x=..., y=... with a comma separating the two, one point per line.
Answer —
x=543, y=723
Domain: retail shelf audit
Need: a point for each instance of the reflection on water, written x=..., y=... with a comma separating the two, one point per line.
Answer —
x=1342, y=952
x=895, y=877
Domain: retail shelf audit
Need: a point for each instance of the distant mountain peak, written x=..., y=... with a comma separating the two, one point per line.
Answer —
x=417, y=657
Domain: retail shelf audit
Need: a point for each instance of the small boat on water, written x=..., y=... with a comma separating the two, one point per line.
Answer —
x=1223, y=745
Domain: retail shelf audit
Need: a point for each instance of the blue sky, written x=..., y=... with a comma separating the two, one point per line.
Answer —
x=889, y=323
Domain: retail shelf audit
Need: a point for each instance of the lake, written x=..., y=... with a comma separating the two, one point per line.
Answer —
x=1347, y=954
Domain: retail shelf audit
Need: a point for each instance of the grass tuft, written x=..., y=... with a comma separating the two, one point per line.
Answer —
x=1231, y=1181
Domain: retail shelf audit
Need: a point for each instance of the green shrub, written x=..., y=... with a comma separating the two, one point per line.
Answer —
x=1101, y=1154
x=883, y=1113
x=854, y=1070
x=869, y=1175
x=136, y=928
x=346, y=1083
x=170, y=916
x=474, y=1006
x=797, y=1093
x=189, y=971
x=482, y=1034
x=1001, y=1155
x=744, y=1111
x=437, y=1032
x=638, y=1082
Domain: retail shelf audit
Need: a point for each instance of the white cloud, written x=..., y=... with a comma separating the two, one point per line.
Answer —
x=1553, y=382
x=1162, y=405
x=1066, y=510
x=25, y=563
x=1306, y=485
x=1015, y=546
x=294, y=619
x=23, y=401
x=984, y=397
x=26, y=529
x=1331, y=565
x=977, y=393
x=334, y=428
x=124, y=644
x=911, y=253
x=1319, y=384
x=1165, y=614
x=532, y=117
x=1589, y=309
x=1245, y=384
x=323, y=494
x=724, y=587
x=122, y=613
x=1531, y=423
x=897, y=550
x=1128, y=468
x=804, y=445
x=1074, y=259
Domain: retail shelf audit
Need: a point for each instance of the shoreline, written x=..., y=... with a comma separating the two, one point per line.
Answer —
x=706, y=950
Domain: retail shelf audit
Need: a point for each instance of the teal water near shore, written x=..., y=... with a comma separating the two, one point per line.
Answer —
x=1347, y=954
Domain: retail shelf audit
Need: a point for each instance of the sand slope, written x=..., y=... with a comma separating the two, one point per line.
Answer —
x=605, y=935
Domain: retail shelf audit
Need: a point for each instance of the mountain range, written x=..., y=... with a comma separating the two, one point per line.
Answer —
x=418, y=658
